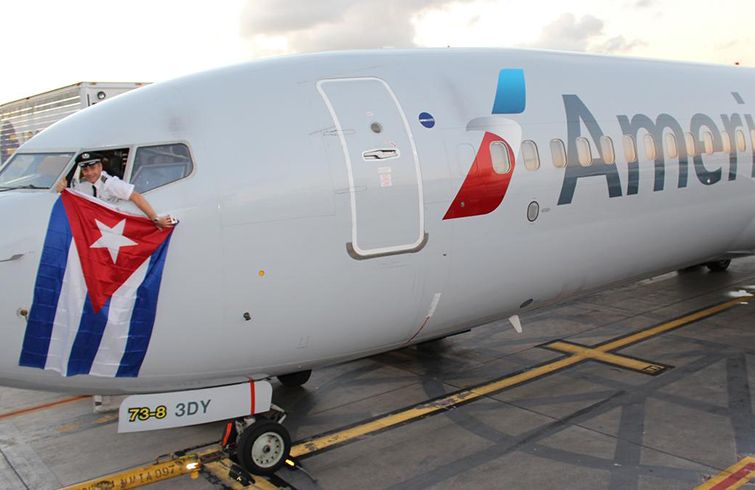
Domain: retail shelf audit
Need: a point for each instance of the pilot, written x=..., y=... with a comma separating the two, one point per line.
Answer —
x=98, y=183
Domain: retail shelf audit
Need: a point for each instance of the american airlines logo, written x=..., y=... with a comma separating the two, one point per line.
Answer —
x=704, y=138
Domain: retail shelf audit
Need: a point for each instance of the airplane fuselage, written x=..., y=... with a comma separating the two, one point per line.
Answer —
x=347, y=204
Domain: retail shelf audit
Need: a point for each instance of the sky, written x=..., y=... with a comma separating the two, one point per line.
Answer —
x=52, y=43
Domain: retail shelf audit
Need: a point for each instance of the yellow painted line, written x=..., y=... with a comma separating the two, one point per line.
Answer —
x=416, y=412
x=733, y=477
x=673, y=324
x=419, y=411
x=597, y=353
x=140, y=476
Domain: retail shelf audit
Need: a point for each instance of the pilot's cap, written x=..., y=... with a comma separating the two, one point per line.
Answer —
x=88, y=158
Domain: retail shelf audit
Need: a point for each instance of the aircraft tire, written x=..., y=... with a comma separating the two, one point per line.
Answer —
x=718, y=265
x=294, y=380
x=263, y=447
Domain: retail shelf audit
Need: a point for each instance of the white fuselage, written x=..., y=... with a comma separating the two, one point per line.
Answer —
x=335, y=256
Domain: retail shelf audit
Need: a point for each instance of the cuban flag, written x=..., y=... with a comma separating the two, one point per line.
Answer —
x=96, y=290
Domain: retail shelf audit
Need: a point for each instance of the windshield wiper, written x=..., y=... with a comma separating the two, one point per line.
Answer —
x=28, y=186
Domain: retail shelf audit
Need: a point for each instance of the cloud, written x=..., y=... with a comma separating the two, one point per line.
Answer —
x=616, y=44
x=585, y=34
x=272, y=17
x=335, y=24
x=568, y=33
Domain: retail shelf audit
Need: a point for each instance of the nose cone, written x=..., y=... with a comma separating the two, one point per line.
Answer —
x=24, y=217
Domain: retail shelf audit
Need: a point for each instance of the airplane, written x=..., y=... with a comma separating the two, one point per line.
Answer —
x=337, y=205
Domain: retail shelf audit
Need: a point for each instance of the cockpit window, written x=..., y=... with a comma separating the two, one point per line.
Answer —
x=33, y=170
x=155, y=166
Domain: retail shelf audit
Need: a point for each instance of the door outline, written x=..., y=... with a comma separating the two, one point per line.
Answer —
x=421, y=240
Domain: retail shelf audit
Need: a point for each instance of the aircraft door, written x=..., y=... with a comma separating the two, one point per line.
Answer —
x=385, y=182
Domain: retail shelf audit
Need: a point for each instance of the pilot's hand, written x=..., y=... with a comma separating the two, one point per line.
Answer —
x=61, y=185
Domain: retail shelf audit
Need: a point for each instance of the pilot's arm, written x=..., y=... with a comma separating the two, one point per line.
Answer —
x=125, y=191
x=146, y=208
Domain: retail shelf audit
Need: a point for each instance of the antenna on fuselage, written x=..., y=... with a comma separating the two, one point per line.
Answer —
x=516, y=323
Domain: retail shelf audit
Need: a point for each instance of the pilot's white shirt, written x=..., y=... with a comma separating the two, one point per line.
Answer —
x=107, y=187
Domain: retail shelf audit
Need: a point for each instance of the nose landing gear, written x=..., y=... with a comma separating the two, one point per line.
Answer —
x=262, y=448
x=260, y=444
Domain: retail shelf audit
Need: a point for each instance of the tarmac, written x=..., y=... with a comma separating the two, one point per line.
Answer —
x=646, y=385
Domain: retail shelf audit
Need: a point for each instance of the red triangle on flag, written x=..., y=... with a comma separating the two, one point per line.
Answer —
x=111, y=244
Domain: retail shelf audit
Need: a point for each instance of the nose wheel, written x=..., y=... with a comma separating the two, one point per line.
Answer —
x=263, y=447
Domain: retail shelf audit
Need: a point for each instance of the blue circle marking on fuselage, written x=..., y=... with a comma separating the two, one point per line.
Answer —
x=427, y=120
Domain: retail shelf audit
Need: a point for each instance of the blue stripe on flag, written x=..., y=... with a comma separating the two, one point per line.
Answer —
x=88, y=338
x=52, y=268
x=511, y=95
x=143, y=317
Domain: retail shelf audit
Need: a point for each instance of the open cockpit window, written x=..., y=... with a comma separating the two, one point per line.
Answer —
x=33, y=170
x=155, y=166
x=113, y=163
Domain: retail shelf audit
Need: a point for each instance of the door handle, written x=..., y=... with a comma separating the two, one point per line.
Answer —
x=380, y=154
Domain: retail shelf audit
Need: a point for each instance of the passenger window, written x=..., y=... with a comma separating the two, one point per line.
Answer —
x=584, y=154
x=649, y=147
x=752, y=137
x=606, y=148
x=741, y=143
x=726, y=142
x=530, y=155
x=689, y=142
x=670, y=143
x=499, y=154
x=707, y=142
x=155, y=166
x=630, y=149
x=558, y=153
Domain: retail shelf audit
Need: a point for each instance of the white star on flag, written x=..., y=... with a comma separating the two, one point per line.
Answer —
x=112, y=238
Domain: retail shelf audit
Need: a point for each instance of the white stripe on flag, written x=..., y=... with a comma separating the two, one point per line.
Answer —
x=68, y=315
x=115, y=336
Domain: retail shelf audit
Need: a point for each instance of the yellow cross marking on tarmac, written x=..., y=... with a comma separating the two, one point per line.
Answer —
x=599, y=354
